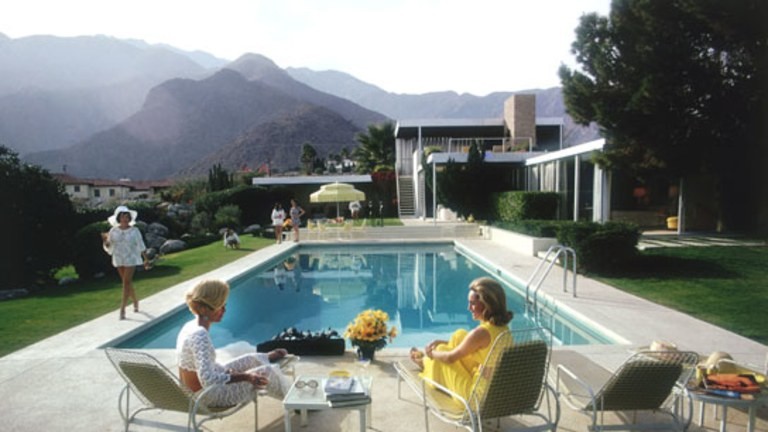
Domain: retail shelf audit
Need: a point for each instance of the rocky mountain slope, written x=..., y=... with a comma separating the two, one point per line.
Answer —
x=185, y=121
x=56, y=92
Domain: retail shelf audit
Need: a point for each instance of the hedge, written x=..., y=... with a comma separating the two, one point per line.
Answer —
x=601, y=248
x=523, y=205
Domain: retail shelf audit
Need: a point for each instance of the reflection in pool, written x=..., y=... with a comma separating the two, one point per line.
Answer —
x=422, y=287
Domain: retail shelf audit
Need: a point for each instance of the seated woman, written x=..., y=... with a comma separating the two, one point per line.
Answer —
x=196, y=354
x=231, y=239
x=455, y=363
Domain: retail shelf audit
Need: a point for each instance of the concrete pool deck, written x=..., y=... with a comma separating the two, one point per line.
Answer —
x=66, y=383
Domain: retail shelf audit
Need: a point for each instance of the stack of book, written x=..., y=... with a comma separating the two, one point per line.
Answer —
x=345, y=391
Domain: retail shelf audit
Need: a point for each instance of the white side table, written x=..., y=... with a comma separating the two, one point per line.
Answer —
x=304, y=399
x=725, y=403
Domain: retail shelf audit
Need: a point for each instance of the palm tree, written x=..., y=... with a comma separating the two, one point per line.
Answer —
x=308, y=155
x=376, y=149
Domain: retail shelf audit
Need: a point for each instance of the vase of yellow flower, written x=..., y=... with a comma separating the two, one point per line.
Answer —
x=368, y=332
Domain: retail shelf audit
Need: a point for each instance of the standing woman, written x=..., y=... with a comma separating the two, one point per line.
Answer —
x=278, y=218
x=127, y=248
x=296, y=214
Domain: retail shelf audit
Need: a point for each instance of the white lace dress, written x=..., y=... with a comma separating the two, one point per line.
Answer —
x=125, y=246
x=195, y=352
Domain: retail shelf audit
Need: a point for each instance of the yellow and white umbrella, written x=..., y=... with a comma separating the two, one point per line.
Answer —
x=336, y=192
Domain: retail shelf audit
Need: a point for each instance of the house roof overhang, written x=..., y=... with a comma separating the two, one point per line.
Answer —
x=298, y=180
x=454, y=128
x=588, y=147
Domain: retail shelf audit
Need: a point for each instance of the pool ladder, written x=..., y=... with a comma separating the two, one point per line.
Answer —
x=568, y=255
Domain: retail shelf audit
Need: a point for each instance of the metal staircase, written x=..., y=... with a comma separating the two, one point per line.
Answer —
x=405, y=196
x=556, y=252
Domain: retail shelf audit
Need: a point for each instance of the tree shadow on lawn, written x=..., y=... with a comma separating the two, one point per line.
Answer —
x=667, y=267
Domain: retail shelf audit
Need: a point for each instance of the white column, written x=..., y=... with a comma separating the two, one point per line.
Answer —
x=434, y=191
x=576, y=175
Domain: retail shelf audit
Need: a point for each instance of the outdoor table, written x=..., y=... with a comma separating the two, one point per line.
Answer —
x=304, y=399
x=727, y=402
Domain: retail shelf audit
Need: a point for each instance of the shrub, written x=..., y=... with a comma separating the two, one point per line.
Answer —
x=601, y=248
x=227, y=216
x=89, y=256
x=37, y=223
x=522, y=205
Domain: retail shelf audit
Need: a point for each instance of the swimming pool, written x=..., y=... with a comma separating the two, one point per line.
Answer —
x=422, y=287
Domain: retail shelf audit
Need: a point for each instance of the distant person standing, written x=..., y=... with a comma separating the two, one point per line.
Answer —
x=296, y=213
x=125, y=244
x=354, y=209
x=278, y=219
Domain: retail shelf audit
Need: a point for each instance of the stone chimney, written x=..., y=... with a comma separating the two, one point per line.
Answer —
x=520, y=118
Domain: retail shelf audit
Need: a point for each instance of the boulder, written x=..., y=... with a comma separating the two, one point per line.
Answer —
x=171, y=246
x=154, y=241
x=252, y=229
x=158, y=229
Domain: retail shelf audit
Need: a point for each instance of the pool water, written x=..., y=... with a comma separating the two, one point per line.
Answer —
x=423, y=288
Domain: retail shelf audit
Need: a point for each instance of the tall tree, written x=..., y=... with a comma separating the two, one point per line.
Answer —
x=376, y=149
x=37, y=223
x=679, y=87
x=308, y=156
x=219, y=179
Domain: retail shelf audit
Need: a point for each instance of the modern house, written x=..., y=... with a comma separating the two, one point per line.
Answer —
x=534, y=158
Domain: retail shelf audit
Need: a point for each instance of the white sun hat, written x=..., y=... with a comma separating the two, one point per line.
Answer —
x=122, y=209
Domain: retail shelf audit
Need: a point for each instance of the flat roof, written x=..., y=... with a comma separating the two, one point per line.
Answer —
x=461, y=128
x=293, y=180
x=567, y=152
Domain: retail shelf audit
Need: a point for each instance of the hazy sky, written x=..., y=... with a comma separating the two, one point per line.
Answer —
x=402, y=46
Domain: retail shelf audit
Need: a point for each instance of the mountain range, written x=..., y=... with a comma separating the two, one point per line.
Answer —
x=108, y=108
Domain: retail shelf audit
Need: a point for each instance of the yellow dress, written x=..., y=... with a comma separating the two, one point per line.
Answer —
x=460, y=375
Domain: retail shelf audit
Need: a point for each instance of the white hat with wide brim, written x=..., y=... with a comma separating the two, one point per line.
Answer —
x=122, y=209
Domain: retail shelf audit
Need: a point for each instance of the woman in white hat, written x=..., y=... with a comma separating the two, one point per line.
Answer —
x=125, y=244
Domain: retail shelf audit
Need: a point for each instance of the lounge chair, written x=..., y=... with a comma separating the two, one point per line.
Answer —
x=158, y=388
x=647, y=381
x=512, y=382
x=361, y=229
x=312, y=228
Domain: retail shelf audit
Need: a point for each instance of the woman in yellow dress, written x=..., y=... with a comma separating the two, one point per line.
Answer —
x=455, y=363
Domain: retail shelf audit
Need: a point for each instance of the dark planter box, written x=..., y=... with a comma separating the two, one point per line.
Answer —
x=317, y=347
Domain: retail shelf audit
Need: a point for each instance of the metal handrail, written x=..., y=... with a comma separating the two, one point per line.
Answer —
x=557, y=250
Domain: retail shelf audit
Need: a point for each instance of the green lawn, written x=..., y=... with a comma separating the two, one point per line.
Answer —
x=726, y=286
x=30, y=319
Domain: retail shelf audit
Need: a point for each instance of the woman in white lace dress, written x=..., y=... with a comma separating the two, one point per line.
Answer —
x=196, y=355
x=125, y=244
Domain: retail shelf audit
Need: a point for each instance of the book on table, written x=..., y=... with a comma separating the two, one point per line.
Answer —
x=345, y=391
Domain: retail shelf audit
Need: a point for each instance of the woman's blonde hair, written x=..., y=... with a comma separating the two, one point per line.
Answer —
x=492, y=296
x=208, y=295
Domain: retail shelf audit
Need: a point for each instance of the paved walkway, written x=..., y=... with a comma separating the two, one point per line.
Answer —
x=655, y=239
x=65, y=383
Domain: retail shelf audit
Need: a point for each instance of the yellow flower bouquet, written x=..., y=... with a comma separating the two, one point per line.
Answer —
x=369, y=331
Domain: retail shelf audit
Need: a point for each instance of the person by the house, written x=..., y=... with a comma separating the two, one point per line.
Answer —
x=278, y=221
x=296, y=213
x=354, y=209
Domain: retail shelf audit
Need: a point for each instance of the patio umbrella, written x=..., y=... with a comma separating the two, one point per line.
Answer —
x=336, y=192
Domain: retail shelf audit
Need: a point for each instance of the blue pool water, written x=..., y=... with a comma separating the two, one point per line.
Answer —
x=423, y=288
